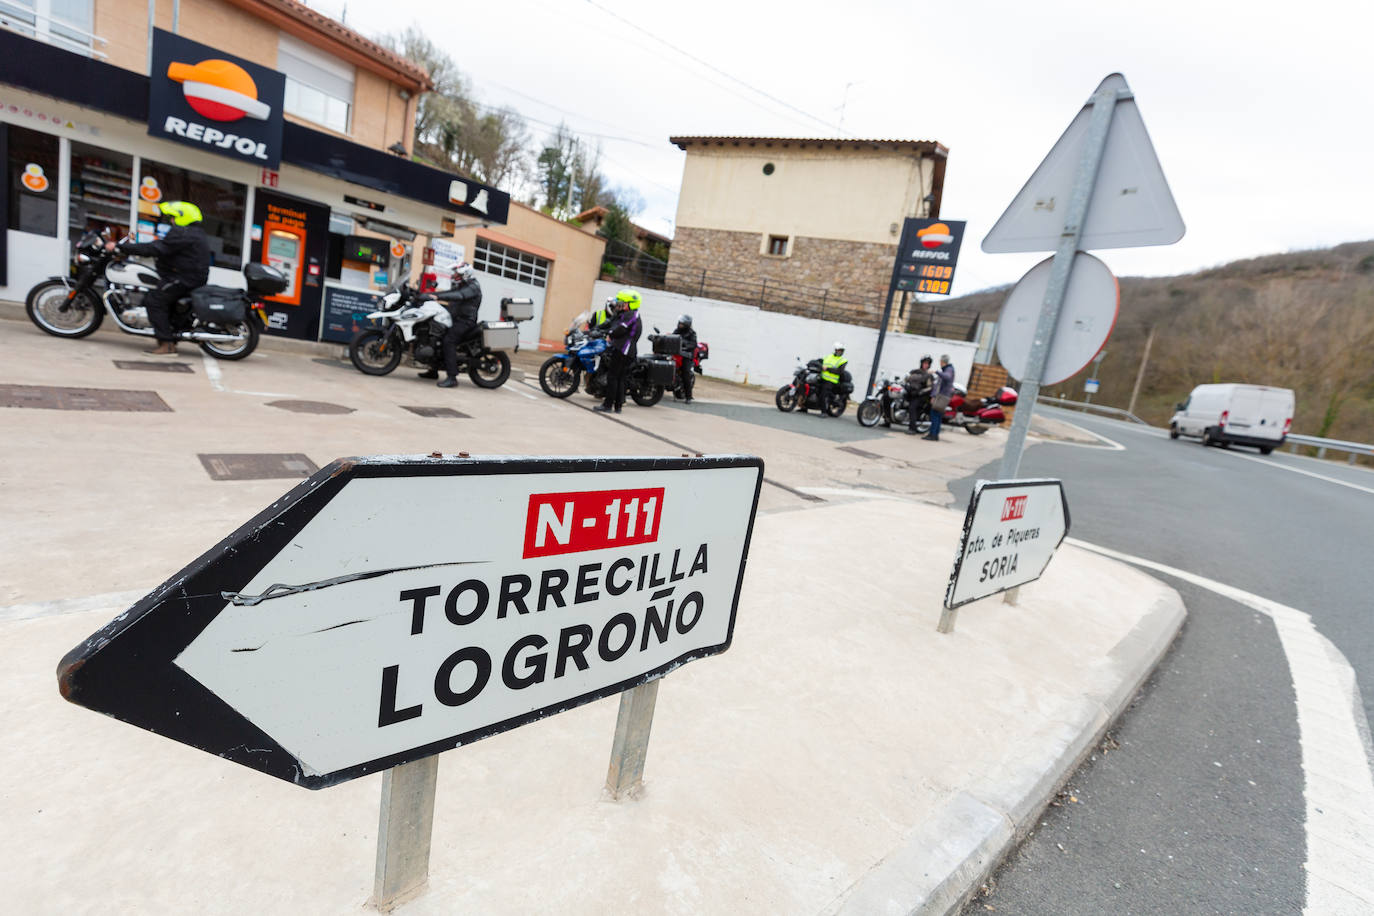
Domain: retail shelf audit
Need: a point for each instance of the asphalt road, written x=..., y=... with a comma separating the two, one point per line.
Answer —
x=1195, y=803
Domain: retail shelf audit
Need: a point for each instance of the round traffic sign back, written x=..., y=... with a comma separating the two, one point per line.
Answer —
x=1086, y=319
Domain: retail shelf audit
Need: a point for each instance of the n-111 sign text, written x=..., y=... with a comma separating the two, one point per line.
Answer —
x=387, y=609
x=1011, y=531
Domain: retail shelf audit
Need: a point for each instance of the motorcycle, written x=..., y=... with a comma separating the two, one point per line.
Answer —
x=671, y=346
x=222, y=320
x=805, y=391
x=409, y=324
x=561, y=373
x=890, y=405
x=978, y=415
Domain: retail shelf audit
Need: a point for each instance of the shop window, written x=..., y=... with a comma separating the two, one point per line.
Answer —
x=101, y=182
x=319, y=86
x=32, y=177
x=221, y=202
x=510, y=263
x=66, y=23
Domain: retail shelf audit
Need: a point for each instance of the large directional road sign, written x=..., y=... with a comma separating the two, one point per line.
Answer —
x=390, y=608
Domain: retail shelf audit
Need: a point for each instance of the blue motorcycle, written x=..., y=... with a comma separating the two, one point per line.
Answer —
x=560, y=374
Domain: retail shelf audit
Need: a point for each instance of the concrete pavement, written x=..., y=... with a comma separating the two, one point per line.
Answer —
x=842, y=757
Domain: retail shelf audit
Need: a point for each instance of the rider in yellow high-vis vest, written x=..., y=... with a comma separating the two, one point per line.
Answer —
x=831, y=367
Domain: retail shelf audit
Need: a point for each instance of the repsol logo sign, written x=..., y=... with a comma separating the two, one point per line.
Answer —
x=213, y=136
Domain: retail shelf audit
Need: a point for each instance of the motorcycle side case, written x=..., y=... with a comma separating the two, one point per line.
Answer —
x=500, y=335
x=660, y=371
x=991, y=414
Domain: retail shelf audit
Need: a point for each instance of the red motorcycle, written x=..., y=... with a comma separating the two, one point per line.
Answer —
x=702, y=351
x=979, y=414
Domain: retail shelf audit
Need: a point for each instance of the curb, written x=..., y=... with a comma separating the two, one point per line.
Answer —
x=940, y=865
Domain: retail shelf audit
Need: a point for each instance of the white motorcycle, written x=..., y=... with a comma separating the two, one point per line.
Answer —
x=408, y=325
x=223, y=320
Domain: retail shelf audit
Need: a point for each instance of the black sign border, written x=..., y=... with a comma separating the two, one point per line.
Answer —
x=968, y=528
x=126, y=669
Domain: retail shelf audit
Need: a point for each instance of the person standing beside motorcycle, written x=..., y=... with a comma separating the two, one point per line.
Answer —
x=462, y=300
x=622, y=338
x=831, y=368
x=688, y=350
x=919, y=383
x=183, y=262
x=940, y=395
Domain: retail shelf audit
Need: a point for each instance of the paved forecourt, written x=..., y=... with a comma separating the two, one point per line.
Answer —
x=841, y=756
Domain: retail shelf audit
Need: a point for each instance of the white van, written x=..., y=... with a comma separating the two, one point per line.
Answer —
x=1235, y=414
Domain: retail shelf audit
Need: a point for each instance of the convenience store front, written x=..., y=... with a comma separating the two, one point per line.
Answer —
x=81, y=153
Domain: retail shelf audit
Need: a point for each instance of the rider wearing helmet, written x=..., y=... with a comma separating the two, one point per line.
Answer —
x=462, y=300
x=622, y=335
x=183, y=262
x=831, y=369
x=919, y=383
x=686, y=365
x=602, y=315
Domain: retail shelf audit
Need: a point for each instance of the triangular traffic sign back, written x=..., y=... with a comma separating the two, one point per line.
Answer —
x=1131, y=204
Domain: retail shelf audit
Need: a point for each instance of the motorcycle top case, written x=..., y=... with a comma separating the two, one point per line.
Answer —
x=517, y=309
x=218, y=303
x=667, y=344
x=660, y=372
x=264, y=279
x=500, y=335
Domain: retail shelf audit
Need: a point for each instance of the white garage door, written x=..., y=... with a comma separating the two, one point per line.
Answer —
x=506, y=271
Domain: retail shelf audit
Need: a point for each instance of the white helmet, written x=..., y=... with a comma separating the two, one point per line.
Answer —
x=839, y=345
x=465, y=272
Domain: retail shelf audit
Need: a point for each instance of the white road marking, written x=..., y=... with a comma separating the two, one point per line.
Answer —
x=1110, y=445
x=1269, y=463
x=216, y=377
x=514, y=390
x=1338, y=785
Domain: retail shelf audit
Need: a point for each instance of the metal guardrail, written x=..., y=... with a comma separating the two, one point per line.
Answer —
x=1293, y=441
x=1355, y=449
x=1088, y=405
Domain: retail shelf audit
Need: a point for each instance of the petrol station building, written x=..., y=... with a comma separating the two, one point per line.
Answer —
x=291, y=133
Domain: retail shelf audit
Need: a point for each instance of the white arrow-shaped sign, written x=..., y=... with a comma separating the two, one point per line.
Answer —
x=387, y=609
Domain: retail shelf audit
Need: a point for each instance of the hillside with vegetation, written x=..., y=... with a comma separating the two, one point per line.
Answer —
x=1302, y=320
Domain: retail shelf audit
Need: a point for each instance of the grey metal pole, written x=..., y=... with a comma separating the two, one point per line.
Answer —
x=152, y=24
x=1103, y=105
x=631, y=743
x=404, y=831
x=882, y=335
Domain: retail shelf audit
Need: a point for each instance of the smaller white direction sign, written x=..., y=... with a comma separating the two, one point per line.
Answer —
x=390, y=608
x=1011, y=531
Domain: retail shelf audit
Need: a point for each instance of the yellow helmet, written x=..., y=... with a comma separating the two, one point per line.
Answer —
x=181, y=212
x=629, y=298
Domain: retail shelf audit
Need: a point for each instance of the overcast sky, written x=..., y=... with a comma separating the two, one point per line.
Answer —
x=1262, y=114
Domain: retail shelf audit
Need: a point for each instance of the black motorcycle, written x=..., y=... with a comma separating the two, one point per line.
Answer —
x=805, y=391
x=408, y=323
x=891, y=404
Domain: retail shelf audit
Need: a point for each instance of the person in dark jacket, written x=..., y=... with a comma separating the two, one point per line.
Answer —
x=622, y=344
x=940, y=397
x=462, y=300
x=919, y=384
x=685, y=331
x=183, y=261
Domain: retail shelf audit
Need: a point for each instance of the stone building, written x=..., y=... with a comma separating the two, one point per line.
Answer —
x=808, y=226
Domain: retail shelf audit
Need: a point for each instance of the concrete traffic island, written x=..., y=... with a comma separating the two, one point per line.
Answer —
x=842, y=756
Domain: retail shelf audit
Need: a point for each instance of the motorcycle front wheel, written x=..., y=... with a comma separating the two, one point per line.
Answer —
x=869, y=413
x=246, y=330
x=374, y=352
x=786, y=399
x=490, y=370
x=49, y=307
x=557, y=378
x=646, y=395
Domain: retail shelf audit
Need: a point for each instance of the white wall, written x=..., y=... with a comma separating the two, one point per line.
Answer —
x=760, y=347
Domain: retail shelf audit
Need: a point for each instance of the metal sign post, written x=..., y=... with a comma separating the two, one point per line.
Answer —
x=1103, y=106
x=625, y=776
x=404, y=831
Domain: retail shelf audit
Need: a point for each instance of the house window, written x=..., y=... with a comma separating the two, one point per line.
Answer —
x=510, y=263
x=319, y=87
x=777, y=245
x=65, y=23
